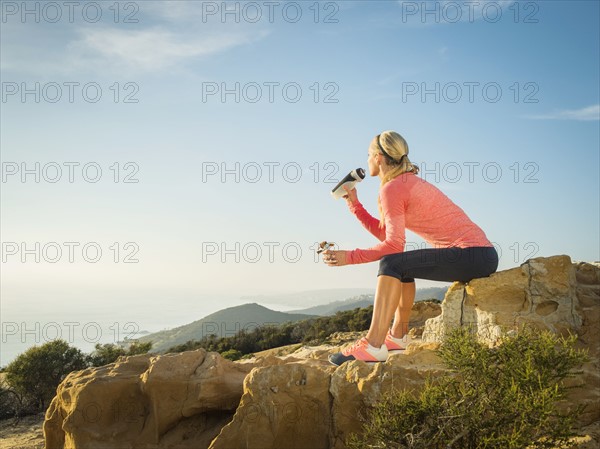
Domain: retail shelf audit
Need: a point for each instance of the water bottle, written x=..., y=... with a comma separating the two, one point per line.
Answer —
x=349, y=180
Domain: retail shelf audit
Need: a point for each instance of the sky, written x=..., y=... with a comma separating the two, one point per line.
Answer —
x=159, y=155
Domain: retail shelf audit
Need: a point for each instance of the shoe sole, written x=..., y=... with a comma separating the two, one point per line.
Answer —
x=368, y=363
x=396, y=351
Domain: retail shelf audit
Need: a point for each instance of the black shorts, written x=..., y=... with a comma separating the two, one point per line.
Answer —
x=441, y=264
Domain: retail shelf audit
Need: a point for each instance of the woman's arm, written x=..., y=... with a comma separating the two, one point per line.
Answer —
x=369, y=222
x=394, y=232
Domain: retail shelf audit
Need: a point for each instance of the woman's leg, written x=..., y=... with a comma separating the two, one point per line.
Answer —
x=387, y=298
x=391, y=296
x=402, y=315
x=441, y=264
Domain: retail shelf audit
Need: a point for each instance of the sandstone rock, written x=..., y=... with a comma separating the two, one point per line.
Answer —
x=451, y=316
x=542, y=292
x=139, y=400
x=95, y=405
x=294, y=398
x=588, y=296
x=282, y=406
x=588, y=335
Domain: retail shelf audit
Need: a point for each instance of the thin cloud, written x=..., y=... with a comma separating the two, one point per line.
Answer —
x=153, y=49
x=587, y=114
x=172, y=40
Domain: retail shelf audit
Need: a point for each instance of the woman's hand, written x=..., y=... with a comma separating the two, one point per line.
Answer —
x=351, y=197
x=335, y=258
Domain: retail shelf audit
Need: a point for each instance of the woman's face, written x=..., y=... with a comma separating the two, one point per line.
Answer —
x=373, y=160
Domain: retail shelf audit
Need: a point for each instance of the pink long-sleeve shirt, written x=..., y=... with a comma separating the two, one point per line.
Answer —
x=409, y=202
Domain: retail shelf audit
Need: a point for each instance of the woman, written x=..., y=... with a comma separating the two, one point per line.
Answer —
x=461, y=250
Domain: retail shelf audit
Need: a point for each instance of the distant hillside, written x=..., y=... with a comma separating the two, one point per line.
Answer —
x=430, y=293
x=338, y=306
x=367, y=300
x=310, y=298
x=224, y=323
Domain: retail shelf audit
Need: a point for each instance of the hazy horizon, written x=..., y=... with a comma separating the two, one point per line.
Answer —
x=22, y=330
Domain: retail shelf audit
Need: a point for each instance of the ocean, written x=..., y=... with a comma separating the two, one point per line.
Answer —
x=22, y=329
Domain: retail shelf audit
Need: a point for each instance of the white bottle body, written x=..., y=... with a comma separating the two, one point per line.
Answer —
x=350, y=181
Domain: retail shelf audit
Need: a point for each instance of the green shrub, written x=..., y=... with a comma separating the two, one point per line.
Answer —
x=11, y=403
x=104, y=354
x=137, y=347
x=232, y=354
x=495, y=398
x=35, y=374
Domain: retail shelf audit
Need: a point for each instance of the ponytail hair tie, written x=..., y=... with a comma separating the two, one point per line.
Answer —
x=385, y=153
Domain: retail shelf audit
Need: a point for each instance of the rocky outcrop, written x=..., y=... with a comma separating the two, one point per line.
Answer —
x=548, y=293
x=541, y=292
x=282, y=406
x=146, y=401
x=200, y=400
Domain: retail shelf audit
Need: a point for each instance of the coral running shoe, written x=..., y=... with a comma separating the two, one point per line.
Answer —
x=396, y=345
x=360, y=350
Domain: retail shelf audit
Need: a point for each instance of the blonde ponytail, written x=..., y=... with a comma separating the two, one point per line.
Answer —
x=395, y=151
